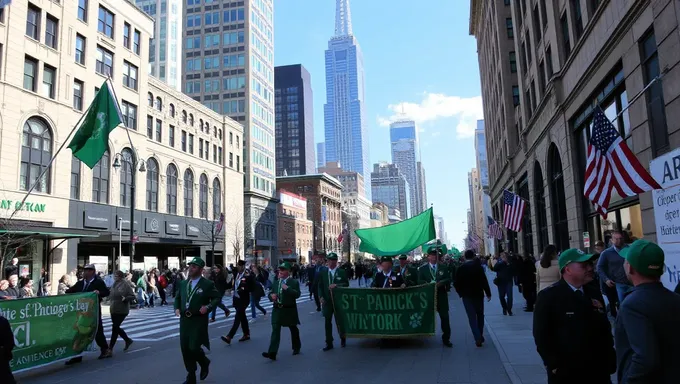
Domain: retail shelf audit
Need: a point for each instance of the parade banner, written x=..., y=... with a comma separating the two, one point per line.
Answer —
x=386, y=313
x=50, y=328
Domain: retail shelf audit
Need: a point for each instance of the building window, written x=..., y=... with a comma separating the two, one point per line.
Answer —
x=203, y=197
x=527, y=234
x=578, y=18
x=171, y=136
x=36, y=152
x=125, y=177
x=541, y=76
x=152, y=185
x=129, y=112
x=159, y=130
x=188, y=193
x=523, y=58
x=30, y=73
x=544, y=17
x=508, y=27
x=220, y=156
x=80, y=49
x=105, y=23
x=184, y=140
x=513, y=62
x=217, y=198
x=191, y=143
x=191, y=119
x=104, y=62
x=549, y=64
x=49, y=79
x=537, y=25
x=231, y=160
x=171, y=189
x=159, y=104
x=656, y=112
x=172, y=110
x=126, y=35
x=129, y=75
x=33, y=22
x=51, y=30
x=82, y=10
x=541, y=215
x=231, y=138
x=515, y=95
x=558, y=200
x=100, y=180
x=566, y=42
x=78, y=87
x=184, y=117
x=149, y=127
x=75, y=178
x=149, y=99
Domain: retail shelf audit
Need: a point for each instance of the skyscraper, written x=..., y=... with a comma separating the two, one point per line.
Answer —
x=391, y=188
x=421, y=188
x=229, y=53
x=483, y=168
x=405, y=155
x=345, y=128
x=320, y=155
x=165, y=49
x=294, y=121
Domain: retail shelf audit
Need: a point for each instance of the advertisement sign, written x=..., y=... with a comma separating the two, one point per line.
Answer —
x=50, y=328
x=666, y=171
x=292, y=201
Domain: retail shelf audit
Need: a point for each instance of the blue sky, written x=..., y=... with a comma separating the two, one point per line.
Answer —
x=419, y=57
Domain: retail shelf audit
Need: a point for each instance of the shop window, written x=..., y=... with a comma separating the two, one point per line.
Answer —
x=125, y=177
x=558, y=200
x=75, y=178
x=541, y=215
x=171, y=189
x=36, y=152
x=100, y=180
x=655, y=102
x=217, y=199
x=188, y=193
x=527, y=234
x=152, y=185
x=203, y=197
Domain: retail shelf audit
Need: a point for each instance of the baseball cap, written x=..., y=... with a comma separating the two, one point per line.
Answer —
x=332, y=256
x=197, y=261
x=646, y=257
x=285, y=265
x=573, y=255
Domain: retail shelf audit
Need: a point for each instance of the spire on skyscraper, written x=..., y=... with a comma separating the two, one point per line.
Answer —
x=343, y=18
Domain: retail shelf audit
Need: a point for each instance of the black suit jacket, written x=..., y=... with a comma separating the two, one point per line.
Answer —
x=6, y=340
x=568, y=325
x=97, y=284
x=395, y=281
x=470, y=280
x=244, y=287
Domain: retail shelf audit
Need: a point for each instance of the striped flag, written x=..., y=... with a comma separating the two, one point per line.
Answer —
x=495, y=230
x=513, y=211
x=220, y=224
x=612, y=165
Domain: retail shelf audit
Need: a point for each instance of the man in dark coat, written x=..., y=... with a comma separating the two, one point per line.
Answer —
x=244, y=285
x=406, y=271
x=93, y=283
x=386, y=277
x=6, y=346
x=570, y=320
x=284, y=295
x=436, y=272
x=331, y=276
x=471, y=284
x=646, y=336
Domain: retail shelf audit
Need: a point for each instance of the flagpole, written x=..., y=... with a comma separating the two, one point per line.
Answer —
x=639, y=94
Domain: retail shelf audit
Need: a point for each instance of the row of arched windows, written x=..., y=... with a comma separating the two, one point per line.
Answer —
x=157, y=103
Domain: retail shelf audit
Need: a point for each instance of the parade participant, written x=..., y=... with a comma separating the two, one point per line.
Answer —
x=570, y=320
x=646, y=336
x=385, y=278
x=434, y=272
x=196, y=297
x=330, y=277
x=408, y=273
x=244, y=284
x=284, y=295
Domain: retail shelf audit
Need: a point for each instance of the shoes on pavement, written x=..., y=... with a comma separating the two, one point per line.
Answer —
x=528, y=309
x=227, y=313
x=296, y=352
x=105, y=354
x=343, y=342
x=478, y=343
x=75, y=360
x=509, y=312
x=448, y=344
x=244, y=338
x=327, y=348
x=191, y=379
x=505, y=312
x=270, y=356
x=483, y=341
x=212, y=320
x=205, y=369
x=226, y=339
x=318, y=309
x=128, y=343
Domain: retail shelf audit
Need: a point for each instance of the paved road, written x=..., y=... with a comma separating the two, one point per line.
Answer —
x=416, y=361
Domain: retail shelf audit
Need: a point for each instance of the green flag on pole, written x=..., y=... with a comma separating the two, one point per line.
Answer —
x=92, y=138
x=395, y=239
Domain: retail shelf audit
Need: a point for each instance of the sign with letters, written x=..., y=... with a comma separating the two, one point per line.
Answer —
x=172, y=228
x=151, y=225
x=666, y=171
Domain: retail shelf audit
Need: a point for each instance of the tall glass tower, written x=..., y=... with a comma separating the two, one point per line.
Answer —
x=345, y=128
x=405, y=155
x=165, y=49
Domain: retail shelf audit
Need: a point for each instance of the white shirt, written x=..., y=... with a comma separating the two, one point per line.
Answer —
x=574, y=288
x=332, y=272
x=194, y=282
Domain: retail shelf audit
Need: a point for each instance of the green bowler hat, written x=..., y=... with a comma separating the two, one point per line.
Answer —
x=197, y=261
x=332, y=256
x=387, y=258
x=285, y=265
x=573, y=255
x=646, y=257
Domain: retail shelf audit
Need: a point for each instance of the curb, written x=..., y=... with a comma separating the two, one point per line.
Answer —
x=509, y=370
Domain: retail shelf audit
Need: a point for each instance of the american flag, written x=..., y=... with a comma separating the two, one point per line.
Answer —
x=220, y=224
x=495, y=230
x=513, y=211
x=612, y=165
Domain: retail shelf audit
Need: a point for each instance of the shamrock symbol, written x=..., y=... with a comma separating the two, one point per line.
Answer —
x=416, y=320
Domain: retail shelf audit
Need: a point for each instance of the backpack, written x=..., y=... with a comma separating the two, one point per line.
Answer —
x=163, y=282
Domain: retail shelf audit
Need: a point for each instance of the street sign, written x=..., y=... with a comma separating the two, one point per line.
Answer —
x=586, y=240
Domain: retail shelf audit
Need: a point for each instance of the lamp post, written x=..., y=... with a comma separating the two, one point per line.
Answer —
x=133, y=162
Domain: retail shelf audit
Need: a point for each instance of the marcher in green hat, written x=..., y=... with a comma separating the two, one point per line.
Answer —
x=330, y=277
x=385, y=278
x=435, y=272
x=284, y=295
x=408, y=273
x=196, y=298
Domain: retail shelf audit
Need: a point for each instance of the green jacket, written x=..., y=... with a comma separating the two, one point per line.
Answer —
x=285, y=312
x=193, y=331
x=442, y=278
x=324, y=287
x=410, y=275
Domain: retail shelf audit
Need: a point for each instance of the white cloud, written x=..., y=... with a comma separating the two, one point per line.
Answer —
x=437, y=106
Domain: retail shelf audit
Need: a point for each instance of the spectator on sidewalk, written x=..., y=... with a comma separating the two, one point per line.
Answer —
x=471, y=284
x=570, y=322
x=610, y=266
x=6, y=346
x=547, y=270
x=646, y=329
x=527, y=280
x=504, y=280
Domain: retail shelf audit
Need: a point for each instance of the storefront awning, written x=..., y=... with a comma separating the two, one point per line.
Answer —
x=51, y=233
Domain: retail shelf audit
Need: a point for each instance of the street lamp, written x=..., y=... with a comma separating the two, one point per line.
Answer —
x=133, y=161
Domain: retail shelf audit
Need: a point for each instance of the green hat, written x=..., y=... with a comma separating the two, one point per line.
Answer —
x=403, y=257
x=573, y=255
x=432, y=250
x=285, y=265
x=646, y=257
x=387, y=258
x=197, y=261
x=332, y=256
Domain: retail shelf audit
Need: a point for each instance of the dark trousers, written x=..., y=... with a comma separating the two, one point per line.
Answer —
x=161, y=293
x=474, y=309
x=240, y=319
x=315, y=292
x=275, y=339
x=529, y=293
x=6, y=373
x=446, y=325
x=116, y=321
x=505, y=295
x=99, y=337
x=328, y=324
x=219, y=305
x=192, y=358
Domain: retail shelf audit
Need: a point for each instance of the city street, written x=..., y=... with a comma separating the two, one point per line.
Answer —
x=156, y=356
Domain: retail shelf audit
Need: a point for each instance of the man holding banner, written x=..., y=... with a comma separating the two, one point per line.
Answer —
x=330, y=277
x=435, y=272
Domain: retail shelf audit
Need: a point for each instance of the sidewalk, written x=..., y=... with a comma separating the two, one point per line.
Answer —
x=513, y=338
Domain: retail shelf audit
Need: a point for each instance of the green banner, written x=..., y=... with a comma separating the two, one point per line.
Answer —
x=387, y=313
x=50, y=328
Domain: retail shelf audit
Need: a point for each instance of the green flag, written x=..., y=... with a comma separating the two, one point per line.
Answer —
x=395, y=239
x=102, y=117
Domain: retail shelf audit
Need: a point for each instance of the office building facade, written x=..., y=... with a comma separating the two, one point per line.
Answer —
x=406, y=155
x=320, y=155
x=391, y=188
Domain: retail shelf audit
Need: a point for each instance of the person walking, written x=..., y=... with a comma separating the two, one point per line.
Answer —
x=435, y=272
x=313, y=274
x=570, y=322
x=120, y=298
x=645, y=335
x=527, y=280
x=610, y=266
x=260, y=280
x=471, y=284
x=219, y=277
x=504, y=280
x=243, y=286
x=330, y=277
x=406, y=271
x=547, y=269
x=284, y=295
